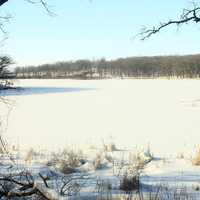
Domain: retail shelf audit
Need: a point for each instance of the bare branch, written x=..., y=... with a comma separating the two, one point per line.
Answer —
x=44, y=179
x=3, y=21
x=23, y=185
x=44, y=4
x=2, y=2
x=188, y=15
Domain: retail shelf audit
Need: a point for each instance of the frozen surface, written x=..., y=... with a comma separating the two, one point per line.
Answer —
x=162, y=113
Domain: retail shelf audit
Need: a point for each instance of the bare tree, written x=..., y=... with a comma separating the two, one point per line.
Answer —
x=5, y=74
x=187, y=15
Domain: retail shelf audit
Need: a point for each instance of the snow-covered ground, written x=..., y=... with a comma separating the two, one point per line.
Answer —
x=177, y=177
x=134, y=114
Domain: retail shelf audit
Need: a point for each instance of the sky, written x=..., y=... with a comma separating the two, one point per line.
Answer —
x=85, y=29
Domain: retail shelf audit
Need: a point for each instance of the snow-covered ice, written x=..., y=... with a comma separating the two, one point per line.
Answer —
x=55, y=113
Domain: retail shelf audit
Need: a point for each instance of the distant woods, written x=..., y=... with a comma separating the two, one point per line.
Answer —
x=133, y=67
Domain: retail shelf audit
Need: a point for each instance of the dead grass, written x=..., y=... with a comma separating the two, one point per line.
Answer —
x=196, y=158
x=110, y=147
x=67, y=161
x=160, y=193
x=180, y=156
x=103, y=189
x=130, y=183
x=98, y=161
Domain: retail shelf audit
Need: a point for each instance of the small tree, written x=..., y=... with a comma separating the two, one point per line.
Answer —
x=5, y=74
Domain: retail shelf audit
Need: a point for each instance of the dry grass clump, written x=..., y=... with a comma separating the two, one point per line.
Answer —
x=196, y=158
x=130, y=172
x=130, y=183
x=98, y=161
x=180, y=156
x=109, y=158
x=102, y=160
x=139, y=160
x=67, y=161
x=30, y=155
x=110, y=147
x=65, y=168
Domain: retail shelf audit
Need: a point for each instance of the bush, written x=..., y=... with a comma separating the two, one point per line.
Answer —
x=65, y=168
x=67, y=161
x=130, y=183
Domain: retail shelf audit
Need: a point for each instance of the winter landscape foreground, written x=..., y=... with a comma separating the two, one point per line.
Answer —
x=103, y=139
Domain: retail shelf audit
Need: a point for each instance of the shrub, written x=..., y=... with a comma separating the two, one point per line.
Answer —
x=67, y=161
x=65, y=168
x=130, y=183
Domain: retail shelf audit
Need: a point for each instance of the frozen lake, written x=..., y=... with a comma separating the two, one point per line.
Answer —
x=55, y=113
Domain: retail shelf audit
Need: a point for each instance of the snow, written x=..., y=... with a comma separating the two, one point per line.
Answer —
x=135, y=115
x=133, y=112
x=173, y=173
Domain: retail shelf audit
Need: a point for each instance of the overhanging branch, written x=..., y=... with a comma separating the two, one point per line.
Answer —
x=188, y=15
x=44, y=4
x=2, y=2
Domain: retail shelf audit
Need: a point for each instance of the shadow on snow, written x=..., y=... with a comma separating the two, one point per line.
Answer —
x=41, y=90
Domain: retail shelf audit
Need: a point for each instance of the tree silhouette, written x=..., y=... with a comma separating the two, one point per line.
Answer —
x=5, y=74
x=2, y=2
x=43, y=2
x=187, y=15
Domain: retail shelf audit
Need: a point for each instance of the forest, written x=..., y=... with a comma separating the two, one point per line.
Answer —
x=187, y=66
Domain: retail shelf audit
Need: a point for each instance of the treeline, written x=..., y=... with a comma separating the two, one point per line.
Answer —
x=133, y=67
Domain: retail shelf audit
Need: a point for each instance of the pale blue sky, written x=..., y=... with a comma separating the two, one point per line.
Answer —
x=103, y=28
